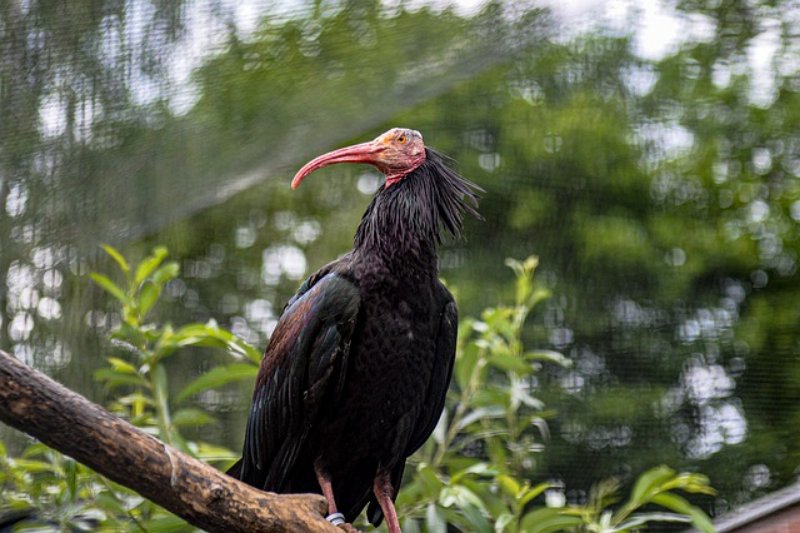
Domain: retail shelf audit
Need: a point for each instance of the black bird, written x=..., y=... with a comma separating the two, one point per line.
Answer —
x=354, y=378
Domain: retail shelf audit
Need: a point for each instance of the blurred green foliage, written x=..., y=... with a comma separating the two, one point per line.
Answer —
x=46, y=491
x=472, y=474
x=143, y=373
x=50, y=491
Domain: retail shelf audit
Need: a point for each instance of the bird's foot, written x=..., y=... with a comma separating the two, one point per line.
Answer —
x=348, y=528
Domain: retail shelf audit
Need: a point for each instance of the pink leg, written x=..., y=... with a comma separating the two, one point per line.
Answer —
x=327, y=488
x=327, y=491
x=384, y=492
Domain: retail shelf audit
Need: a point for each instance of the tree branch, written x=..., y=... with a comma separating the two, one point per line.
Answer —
x=202, y=495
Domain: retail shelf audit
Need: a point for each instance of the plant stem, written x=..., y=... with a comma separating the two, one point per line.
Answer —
x=158, y=382
x=461, y=409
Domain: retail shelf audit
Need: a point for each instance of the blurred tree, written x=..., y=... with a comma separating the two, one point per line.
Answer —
x=72, y=80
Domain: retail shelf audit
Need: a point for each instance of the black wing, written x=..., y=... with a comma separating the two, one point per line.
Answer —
x=440, y=378
x=306, y=356
x=434, y=401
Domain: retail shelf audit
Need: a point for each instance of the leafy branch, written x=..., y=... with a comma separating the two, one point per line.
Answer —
x=475, y=472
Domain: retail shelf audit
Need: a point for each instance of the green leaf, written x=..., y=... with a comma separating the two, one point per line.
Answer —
x=530, y=263
x=533, y=492
x=165, y=523
x=116, y=256
x=485, y=489
x=649, y=484
x=191, y=417
x=108, y=501
x=121, y=366
x=548, y=520
x=212, y=336
x=149, y=264
x=211, y=453
x=675, y=503
x=440, y=430
x=691, y=482
x=410, y=525
x=509, y=362
x=431, y=484
x=33, y=467
x=136, y=397
x=110, y=287
x=476, y=519
x=160, y=382
x=480, y=414
x=112, y=378
x=509, y=485
x=539, y=294
x=516, y=266
x=550, y=356
x=487, y=397
x=465, y=364
x=477, y=469
x=148, y=296
x=461, y=497
x=434, y=521
x=132, y=337
x=36, y=449
x=167, y=272
x=217, y=377
x=641, y=519
x=71, y=477
x=502, y=521
x=518, y=394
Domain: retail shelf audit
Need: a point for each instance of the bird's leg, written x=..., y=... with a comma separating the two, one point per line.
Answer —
x=327, y=488
x=334, y=517
x=384, y=491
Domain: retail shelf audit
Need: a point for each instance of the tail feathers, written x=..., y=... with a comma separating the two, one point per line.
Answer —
x=374, y=513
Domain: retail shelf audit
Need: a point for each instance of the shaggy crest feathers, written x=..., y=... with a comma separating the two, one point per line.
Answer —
x=429, y=202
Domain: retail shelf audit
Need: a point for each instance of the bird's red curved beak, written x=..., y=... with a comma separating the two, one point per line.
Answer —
x=358, y=153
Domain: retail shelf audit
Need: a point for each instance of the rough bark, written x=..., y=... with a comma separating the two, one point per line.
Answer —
x=202, y=495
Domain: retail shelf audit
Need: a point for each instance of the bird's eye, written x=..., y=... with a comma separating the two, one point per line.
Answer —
x=401, y=139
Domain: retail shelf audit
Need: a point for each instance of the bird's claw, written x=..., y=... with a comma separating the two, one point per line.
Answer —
x=348, y=528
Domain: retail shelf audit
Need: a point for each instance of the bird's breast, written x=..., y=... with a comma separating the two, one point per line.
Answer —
x=394, y=354
x=390, y=364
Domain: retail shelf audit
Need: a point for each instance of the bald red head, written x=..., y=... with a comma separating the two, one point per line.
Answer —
x=395, y=153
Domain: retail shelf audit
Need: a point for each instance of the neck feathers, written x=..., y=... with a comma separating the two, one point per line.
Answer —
x=408, y=220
